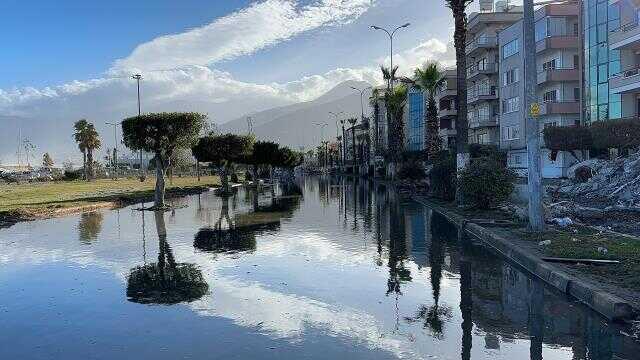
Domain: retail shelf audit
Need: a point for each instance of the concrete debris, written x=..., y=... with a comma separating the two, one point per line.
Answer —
x=602, y=250
x=614, y=183
x=545, y=243
x=562, y=222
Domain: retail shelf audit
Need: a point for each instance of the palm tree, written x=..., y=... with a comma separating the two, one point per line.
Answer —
x=389, y=75
x=458, y=8
x=88, y=140
x=79, y=134
x=374, y=101
x=395, y=101
x=353, y=121
x=428, y=79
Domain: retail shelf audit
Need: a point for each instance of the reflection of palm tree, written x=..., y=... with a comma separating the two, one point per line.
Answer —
x=398, y=273
x=90, y=226
x=434, y=316
x=165, y=282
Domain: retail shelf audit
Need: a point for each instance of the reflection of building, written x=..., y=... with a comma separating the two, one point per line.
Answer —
x=558, y=88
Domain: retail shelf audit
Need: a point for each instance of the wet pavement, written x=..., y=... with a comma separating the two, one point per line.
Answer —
x=322, y=269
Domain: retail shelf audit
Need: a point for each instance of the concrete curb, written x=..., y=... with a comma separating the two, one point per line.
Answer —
x=610, y=306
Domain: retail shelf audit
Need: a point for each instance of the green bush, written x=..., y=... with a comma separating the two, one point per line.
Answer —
x=71, y=175
x=481, y=151
x=486, y=183
x=443, y=176
x=234, y=177
x=567, y=138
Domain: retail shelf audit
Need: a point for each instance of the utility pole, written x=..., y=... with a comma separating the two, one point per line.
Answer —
x=138, y=77
x=115, y=149
x=532, y=128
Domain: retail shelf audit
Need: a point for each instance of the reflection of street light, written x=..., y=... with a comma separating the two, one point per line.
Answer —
x=391, y=39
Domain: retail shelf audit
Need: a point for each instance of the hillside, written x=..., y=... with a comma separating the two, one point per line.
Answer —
x=295, y=125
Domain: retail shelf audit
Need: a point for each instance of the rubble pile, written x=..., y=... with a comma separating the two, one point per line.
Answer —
x=612, y=183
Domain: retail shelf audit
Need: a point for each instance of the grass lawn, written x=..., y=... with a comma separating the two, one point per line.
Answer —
x=584, y=242
x=62, y=194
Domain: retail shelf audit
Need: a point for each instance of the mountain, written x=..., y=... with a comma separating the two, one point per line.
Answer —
x=295, y=125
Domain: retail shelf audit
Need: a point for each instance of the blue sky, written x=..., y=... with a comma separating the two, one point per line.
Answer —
x=70, y=59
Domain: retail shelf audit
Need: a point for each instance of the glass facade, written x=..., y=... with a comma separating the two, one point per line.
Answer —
x=600, y=62
x=415, y=138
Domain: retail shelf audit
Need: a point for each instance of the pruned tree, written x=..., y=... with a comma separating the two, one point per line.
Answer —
x=161, y=134
x=396, y=100
x=428, y=79
x=223, y=151
x=265, y=153
x=47, y=161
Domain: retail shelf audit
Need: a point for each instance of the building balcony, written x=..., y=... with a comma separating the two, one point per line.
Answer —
x=474, y=70
x=447, y=113
x=558, y=42
x=560, y=107
x=477, y=122
x=482, y=94
x=625, y=82
x=557, y=10
x=556, y=75
x=446, y=93
x=481, y=43
x=626, y=37
x=447, y=132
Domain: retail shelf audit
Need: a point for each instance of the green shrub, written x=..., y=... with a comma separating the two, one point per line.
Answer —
x=480, y=151
x=567, y=138
x=443, y=176
x=71, y=175
x=234, y=177
x=486, y=183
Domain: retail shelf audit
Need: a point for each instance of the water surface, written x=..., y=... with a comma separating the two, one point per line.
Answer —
x=329, y=269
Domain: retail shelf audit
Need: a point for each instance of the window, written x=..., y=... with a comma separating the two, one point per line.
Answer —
x=550, y=124
x=511, y=132
x=510, y=105
x=510, y=76
x=576, y=94
x=550, y=96
x=482, y=64
x=483, y=138
x=510, y=48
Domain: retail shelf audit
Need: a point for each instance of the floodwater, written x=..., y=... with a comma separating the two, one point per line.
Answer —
x=329, y=269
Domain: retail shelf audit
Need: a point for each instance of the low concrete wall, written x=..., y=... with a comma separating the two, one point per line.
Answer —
x=610, y=306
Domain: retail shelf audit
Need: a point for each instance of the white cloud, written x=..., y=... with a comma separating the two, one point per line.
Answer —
x=241, y=33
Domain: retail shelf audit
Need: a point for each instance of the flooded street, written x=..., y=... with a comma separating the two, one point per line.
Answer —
x=329, y=269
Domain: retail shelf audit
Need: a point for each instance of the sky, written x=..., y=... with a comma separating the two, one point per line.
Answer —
x=72, y=59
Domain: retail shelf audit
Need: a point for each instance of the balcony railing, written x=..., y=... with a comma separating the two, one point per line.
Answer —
x=481, y=42
x=626, y=36
x=487, y=68
x=483, y=121
x=559, y=107
x=627, y=81
x=558, y=74
x=482, y=93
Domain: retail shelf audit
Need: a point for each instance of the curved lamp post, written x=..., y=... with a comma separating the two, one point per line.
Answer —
x=391, y=33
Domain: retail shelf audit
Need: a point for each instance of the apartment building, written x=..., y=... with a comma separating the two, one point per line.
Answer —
x=446, y=98
x=558, y=83
x=624, y=54
x=483, y=58
x=414, y=119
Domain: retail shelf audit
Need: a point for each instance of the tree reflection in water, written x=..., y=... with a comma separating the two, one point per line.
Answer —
x=239, y=234
x=165, y=282
x=90, y=226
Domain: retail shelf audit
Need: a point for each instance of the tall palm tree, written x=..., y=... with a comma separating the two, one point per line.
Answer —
x=353, y=121
x=374, y=101
x=389, y=75
x=458, y=9
x=429, y=79
x=88, y=140
x=78, y=135
x=395, y=100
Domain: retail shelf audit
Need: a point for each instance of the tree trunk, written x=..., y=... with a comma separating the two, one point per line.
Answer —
x=89, y=164
x=84, y=165
x=198, y=169
x=161, y=170
x=254, y=172
x=459, y=41
x=224, y=179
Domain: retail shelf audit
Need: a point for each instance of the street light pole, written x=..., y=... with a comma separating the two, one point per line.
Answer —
x=138, y=77
x=391, y=33
x=115, y=149
x=534, y=176
x=361, y=91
